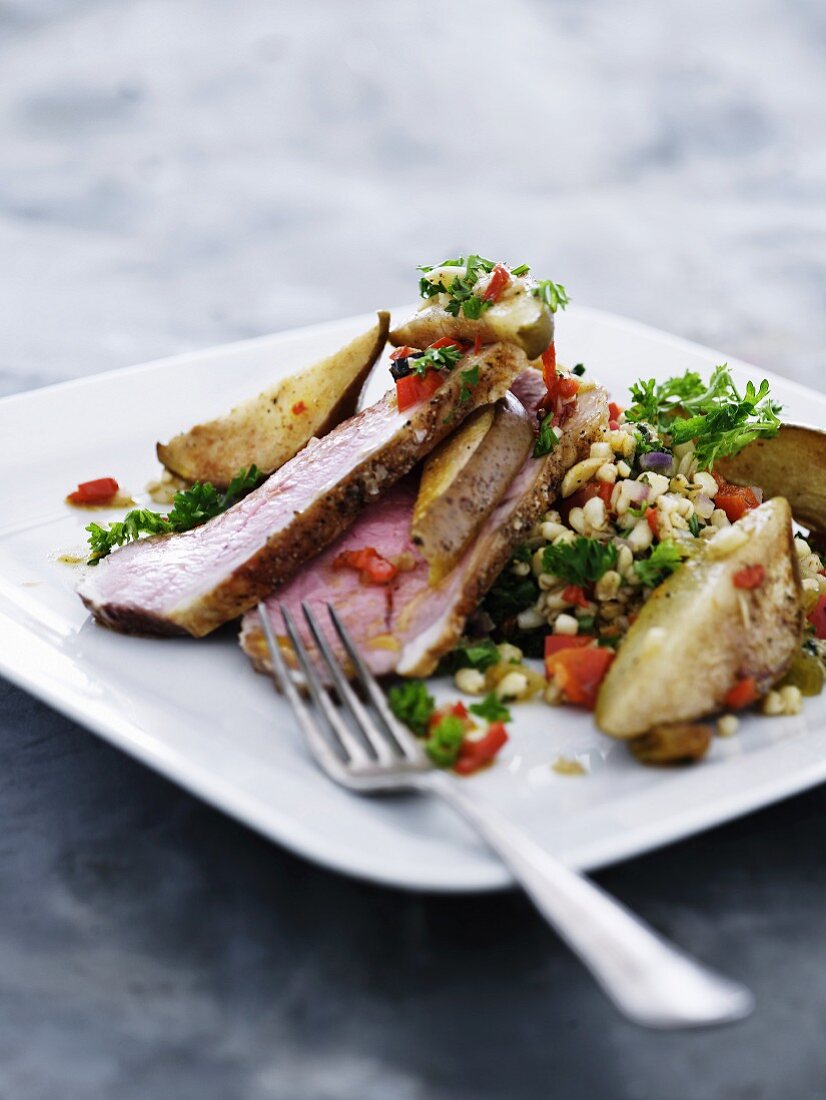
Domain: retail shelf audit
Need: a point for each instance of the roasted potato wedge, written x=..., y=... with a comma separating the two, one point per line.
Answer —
x=699, y=634
x=464, y=479
x=521, y=319
x=793, y=465
x=272, y=427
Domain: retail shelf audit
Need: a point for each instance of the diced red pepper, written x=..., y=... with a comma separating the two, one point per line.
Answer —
x=414, y=388
x=299, y=407
x=477, y=344
x=444, y=342
x=653, y=520
x=735, y=500
x=474, y=753
x=750, y=576
x=615, y=411
x=549, y=366
x=499, y=279
x=817, y=617
x=374, y=569
x=99, y=491
x=579, y=672
x=572, y=593
x=592, y=489
x=566, y=386
x=402, y=353
x=555, y=643
x=743, y=694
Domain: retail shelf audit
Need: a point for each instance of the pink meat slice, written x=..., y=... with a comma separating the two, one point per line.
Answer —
x=408, y=626
x=194, y=582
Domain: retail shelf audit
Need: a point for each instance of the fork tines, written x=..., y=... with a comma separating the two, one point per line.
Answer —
x=350, y=736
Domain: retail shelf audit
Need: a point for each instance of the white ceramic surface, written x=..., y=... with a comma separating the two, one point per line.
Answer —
x=196, y=712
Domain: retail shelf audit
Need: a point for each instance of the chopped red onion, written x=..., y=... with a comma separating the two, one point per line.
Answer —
x=659, y=462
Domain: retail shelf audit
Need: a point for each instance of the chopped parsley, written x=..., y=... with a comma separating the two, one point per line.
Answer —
x=442, y=745
x=578, y=369
x=554, y=295
x=715, y=415
x=491, y=708
x=511, y=594
x=663, y=560
x=469, y=379
x=444, y=358
x=460, y=289
x=547, y=438
x=482, y=655
x=518, y=272
x=581, y=561
x=190, y=508
x=412, y=704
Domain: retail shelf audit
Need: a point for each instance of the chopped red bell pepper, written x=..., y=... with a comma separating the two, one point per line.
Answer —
x=615, y=411
x=374, y=569
x=817, y=617
x=743, y=694
x=566, y=386
x=299, y=407
x=555, y=643
x=477, y=344
x=572, y=593
x=593, y=489
x=549, y=366
x=444, y=342
x=735, y=500
x=579, y=672
x=750, y=576
x=403, y=352
x=475, y=753
x=652, y=518
x=99, y=491
x=500, y=277
x=414, y=388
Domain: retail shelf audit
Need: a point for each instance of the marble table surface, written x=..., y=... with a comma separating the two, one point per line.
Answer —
x=179, y=173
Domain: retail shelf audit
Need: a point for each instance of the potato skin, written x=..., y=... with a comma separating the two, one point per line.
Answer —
x=461, y=484
x=267, y=430
x=708, y=633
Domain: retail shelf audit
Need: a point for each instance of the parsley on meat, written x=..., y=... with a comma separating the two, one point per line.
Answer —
x=190, y=508
x=491, y=708
x=412, y=704
x=581, y=561
x=554, y=295
x=716, y=416
x=547, y=438
x=469, y=379
x=460, y=289
x=444, y=358
x=663, y=560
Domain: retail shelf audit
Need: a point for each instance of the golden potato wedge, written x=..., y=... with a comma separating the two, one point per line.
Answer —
x=272, y=427
x=792, y=465
x=465, y=478
x=520, y=319
x=699, y=634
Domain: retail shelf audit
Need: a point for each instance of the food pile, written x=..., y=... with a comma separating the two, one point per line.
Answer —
x=494, y=507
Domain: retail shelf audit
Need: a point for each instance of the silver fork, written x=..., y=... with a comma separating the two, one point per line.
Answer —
x=649, y=980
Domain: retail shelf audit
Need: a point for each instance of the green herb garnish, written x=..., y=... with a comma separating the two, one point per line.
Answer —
x=442, y=745
x=581, y=561
x=663, y=560
x=511, y=594
x=578, y=369
x=547, y=438
x=412, y=704
x=716, y=416
x=469, y=379
x=459, y=290
x=190, y=508
x=444, y=358
x=491, y=708
x=482, y=655
x=694, y=526
x=554, y=295
x=518, y=272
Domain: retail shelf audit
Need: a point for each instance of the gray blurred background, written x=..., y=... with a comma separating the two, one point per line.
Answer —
x=177, y=173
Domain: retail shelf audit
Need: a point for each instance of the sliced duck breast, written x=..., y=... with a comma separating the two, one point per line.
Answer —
x=408, y=625
x=194, y=582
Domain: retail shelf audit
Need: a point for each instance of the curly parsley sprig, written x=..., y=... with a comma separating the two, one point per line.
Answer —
x=719, y=419
x=190, y=508
x=581, y=561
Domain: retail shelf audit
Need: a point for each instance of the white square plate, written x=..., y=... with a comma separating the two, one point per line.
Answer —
x=198, y=713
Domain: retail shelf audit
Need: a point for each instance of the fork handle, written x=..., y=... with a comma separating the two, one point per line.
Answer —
x=649, y=980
